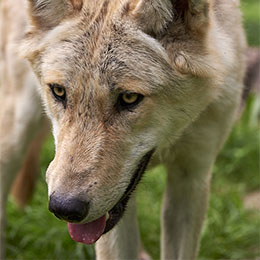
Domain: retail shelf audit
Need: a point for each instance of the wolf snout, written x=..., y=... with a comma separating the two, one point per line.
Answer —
x=69, y=209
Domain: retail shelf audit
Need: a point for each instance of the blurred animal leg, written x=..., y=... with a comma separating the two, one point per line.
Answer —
x=23, y=186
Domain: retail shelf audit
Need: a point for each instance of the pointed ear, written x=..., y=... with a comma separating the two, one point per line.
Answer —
x=46, y=14
x=154, y=15
x=193, y=13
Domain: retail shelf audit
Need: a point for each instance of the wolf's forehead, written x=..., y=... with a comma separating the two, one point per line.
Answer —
x=105, y=46
x=116, y=52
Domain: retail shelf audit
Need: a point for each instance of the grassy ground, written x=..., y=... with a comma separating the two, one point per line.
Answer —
x=231, y=231
x=251, y=11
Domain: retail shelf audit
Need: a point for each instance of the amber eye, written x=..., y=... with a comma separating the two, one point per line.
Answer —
x=129, y=100
x=58, y=92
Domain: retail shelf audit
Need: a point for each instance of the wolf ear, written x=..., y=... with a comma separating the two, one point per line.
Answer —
x=152, y=15
x=155, y=15
x=46, y=14
x=193, y=13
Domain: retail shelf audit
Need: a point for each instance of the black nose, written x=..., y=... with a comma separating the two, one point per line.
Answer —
x=69, y=209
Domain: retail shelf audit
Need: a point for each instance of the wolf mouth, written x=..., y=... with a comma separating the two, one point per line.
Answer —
x=89, y=233
x=116, y=213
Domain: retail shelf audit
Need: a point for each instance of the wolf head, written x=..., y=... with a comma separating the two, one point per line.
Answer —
x=119, y=80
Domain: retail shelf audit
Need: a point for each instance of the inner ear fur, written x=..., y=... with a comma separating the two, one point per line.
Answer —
x=193, y=13
x=154, y=16
x=46, y=14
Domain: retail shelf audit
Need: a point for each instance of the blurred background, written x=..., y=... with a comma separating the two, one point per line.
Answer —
x=232, y=228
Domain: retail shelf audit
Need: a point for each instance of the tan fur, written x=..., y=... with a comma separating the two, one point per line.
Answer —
x=77, y=4
x=185, y=57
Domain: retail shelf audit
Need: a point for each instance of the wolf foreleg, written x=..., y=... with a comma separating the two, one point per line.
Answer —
x=122, y=242
x=184, y=209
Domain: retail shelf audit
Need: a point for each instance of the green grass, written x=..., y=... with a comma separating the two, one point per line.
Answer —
x=230, y=232
x=251, y=10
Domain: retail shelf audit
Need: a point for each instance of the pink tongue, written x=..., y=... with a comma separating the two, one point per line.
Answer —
x=87, y=233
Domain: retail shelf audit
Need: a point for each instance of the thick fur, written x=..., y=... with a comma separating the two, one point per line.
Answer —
x=187, y=58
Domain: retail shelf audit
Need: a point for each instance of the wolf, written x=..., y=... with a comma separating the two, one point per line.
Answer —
x=125, y=83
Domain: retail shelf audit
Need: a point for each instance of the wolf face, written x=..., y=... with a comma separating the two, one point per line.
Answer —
x=115, y=96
